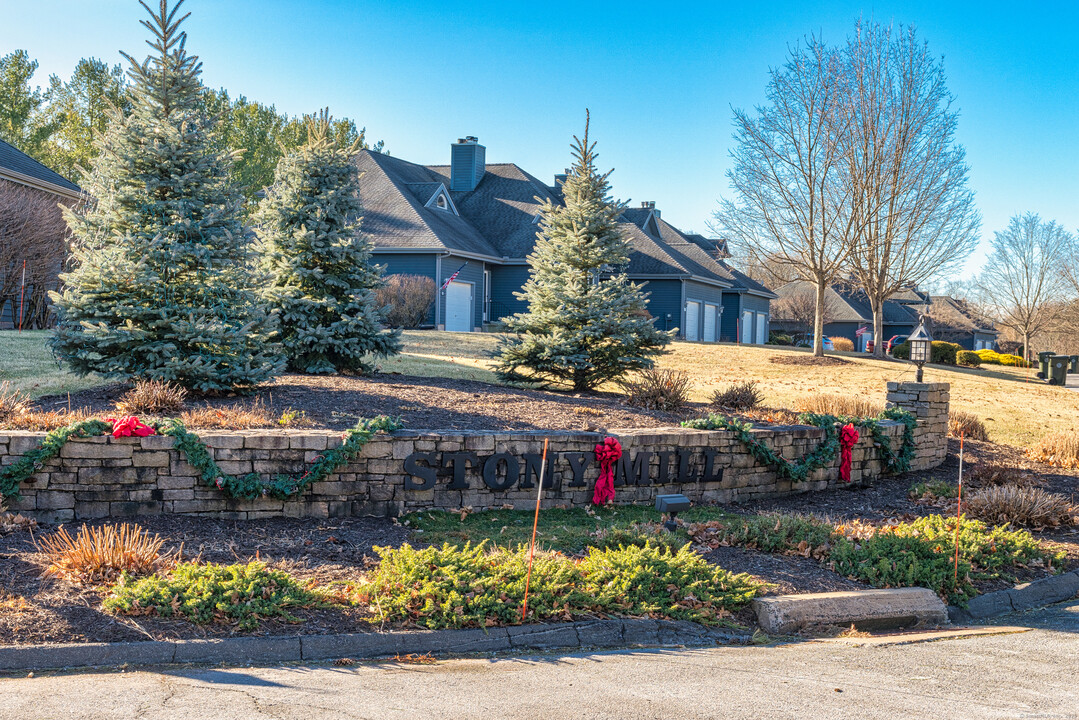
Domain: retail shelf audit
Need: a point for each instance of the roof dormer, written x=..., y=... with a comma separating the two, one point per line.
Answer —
x=441, y=200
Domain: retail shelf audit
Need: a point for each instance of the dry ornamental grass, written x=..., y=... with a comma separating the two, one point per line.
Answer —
x=13, y=403
x=100, y=554
x=966, y=425
x=1021, y=506
x=1060, y=449
x=656, y=389
x=739, y=396
x=243, y=417
x=152, y=396
x=852, y=405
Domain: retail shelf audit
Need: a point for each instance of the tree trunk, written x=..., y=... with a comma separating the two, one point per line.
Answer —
x=818, y=319
x=1026, y=345
x=878, y=329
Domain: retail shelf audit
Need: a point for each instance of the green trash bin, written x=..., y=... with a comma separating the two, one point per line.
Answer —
x=1043, y=364
x=1058, y=370
x=1073, y=367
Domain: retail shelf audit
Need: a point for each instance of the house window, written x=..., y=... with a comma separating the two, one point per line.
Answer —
x=441, y=203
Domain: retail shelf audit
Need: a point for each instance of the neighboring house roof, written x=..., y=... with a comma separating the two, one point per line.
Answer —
x=851, y=305
x=17, y=166
x=970, y=320
x=498, y=220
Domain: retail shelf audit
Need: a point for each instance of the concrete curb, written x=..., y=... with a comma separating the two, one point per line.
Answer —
x=867, y=609
x=615, y=633
x=1018, y=599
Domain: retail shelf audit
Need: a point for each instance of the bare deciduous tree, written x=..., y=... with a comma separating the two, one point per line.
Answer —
x=792, y=206
x=1025, y=278
x=33, y=231
x=916, y=218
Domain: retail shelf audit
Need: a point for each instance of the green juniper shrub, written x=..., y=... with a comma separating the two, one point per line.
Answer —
x=893, y=560
x=473, y=586
x=991, y=551
x=901, y=351
x=944, y=353
x=638, y=535
x=779, y=533
x=244, y=594
x=654, y=581
x=933, y=489
x=966, y=358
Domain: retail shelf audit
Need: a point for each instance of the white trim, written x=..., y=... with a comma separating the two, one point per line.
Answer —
x=432, y=202
x=20, y=179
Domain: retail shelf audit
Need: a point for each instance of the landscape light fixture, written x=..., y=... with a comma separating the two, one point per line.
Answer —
x=921, y=347
x=672, y=505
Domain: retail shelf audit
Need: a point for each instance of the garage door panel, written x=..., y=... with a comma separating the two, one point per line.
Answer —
x=710, y=311
x=693, y=313
x=459, y=307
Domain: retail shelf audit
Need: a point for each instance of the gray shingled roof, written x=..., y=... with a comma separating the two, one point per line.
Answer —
x=497, y=219
x=11, y=158
x=851, y=305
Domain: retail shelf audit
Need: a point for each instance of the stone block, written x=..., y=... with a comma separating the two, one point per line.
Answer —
x=867, y=609
x=267, y=442
x=151, y=459
x=91, y=510
x=235, y=467
x=223, y=441
x=158, y=442
x=308, y=442
x=81, y=449
x=53, y=500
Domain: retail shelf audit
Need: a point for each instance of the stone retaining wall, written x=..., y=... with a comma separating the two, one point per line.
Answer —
x=407, y=470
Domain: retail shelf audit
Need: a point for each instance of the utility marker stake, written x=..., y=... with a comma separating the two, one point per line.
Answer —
x=535, y=524
x=958, y=507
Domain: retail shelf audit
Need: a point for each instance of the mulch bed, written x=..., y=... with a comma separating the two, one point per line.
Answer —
x=337, y=402
x=826, y=361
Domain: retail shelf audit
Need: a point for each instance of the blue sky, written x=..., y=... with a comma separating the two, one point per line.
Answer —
x=660, y=79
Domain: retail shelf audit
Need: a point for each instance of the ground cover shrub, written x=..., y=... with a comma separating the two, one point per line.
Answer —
x=1020, y=506
x=474, y=586
x=988, y=357
x=969, y=425
x=739, y=396
x=658, y=389
x=98, y=554
x=406, y=300
x=933, y=490
x=966, y=358
x=152, y=396
x=655, y=581
x=990, y=551
x=785, y=534
x=892, y=560
x=838, y=405
x=637, y=535
x=842, y=344
x=992, y=357
x=1059, y=448
x=244, y=416
x=241, y=594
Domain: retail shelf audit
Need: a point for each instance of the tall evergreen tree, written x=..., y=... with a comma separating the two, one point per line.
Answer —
x=586, y=323
x=322, y=281
x=161, y=285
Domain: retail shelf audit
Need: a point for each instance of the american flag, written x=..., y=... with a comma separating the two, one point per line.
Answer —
x=861, y=331
x=453, y=277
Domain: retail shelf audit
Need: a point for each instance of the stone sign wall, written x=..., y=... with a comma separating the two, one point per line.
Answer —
x=409, y=470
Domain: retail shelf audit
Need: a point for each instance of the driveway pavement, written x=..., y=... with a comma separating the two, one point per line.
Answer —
x=1032, y=674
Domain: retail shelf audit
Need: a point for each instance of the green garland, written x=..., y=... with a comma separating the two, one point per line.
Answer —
x=828, y=450
x=247, y=487
x=18, y=472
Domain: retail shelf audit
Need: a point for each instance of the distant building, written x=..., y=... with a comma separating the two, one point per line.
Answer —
x=32, y=234
x=847, y=311
x=479, y=220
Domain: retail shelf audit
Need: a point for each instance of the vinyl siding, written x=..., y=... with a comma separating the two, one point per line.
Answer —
x=506, y=280
x=665, y=298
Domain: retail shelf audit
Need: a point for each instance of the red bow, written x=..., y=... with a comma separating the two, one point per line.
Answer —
x=848, y=436
x=608, y=453
x=129, y=425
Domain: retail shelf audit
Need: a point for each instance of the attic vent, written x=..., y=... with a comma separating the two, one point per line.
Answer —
x=440, y=202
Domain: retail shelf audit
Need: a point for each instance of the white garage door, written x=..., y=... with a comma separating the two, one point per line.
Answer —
x=747, y=327
x=693, y=313
x=762, y=328
x=459, y=307
x=710, y=322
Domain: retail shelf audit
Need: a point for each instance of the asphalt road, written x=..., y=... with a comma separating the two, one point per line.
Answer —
x=1025, y=675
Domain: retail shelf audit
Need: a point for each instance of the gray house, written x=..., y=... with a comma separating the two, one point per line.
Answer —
x=470, y=225
x=847, y=311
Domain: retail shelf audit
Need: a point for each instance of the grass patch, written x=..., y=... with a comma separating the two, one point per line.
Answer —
x=239, y=594
x=565, y=530
x=933, y=490
x=27, y=363
x=474, y=586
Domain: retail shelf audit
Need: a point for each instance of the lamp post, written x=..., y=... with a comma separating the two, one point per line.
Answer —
x=921, y=345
